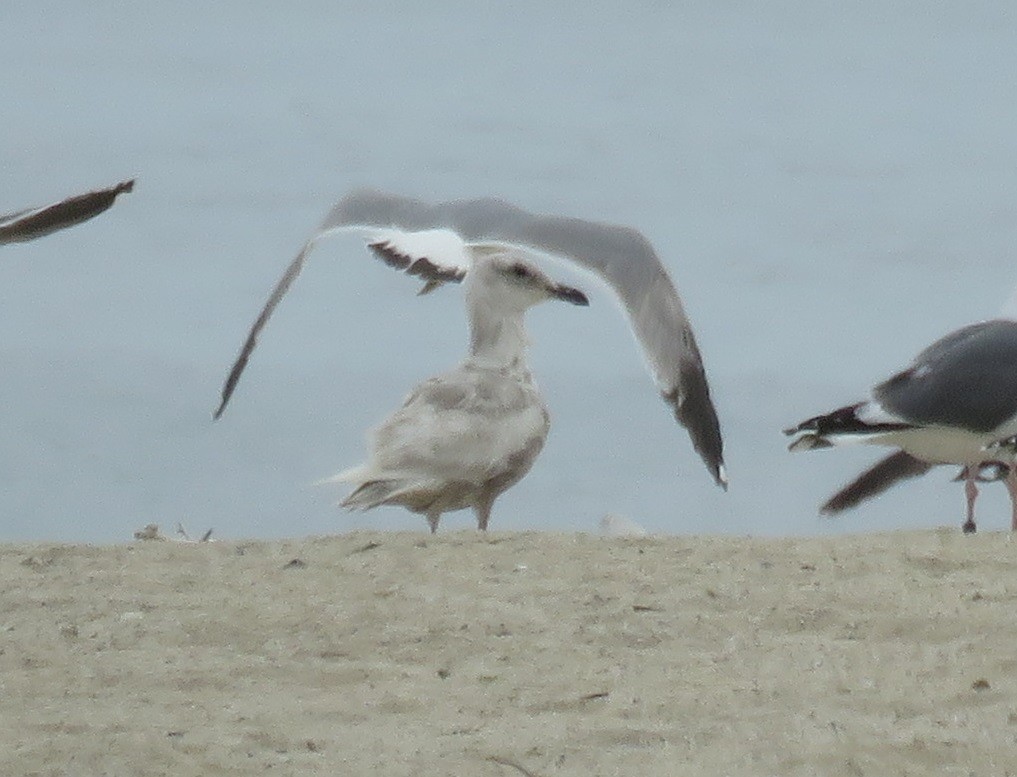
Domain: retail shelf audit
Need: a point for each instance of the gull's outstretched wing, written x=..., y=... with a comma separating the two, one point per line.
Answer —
x=36, y=222
x=621, y=256
x=878, y=478
x=407, y=252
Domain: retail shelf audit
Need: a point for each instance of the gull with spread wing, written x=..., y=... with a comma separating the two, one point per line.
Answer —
x=481, y=241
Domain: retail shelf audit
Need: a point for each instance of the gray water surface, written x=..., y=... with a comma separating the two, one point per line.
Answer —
x=832, y=189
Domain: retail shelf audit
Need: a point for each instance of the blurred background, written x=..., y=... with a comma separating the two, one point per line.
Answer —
x=831, y=188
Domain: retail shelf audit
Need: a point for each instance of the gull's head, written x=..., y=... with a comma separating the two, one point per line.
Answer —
x=502, y=278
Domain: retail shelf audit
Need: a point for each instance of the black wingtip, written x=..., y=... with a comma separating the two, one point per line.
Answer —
x=230, y=385
x=878, y=478
x=695, y=411
x=217, y=413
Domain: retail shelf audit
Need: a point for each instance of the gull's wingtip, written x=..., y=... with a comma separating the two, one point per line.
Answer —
x=32, y=223
x=223, y=401
x=720, y=476
x=232, y=379
x=694, y=410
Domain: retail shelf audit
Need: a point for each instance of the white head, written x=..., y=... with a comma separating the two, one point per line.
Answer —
x=501, y=280
x=500, y=287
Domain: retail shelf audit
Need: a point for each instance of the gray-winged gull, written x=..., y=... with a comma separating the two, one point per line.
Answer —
x=955, y=400
x=36, y=222
x=463, y=437
x=438, y=243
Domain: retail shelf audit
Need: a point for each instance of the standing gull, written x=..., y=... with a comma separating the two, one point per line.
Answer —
x=36, y=222
x=441, y=243
x=955, y=400
x=462, y=438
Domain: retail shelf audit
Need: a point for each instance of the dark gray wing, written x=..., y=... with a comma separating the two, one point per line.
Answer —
x=966, y=380
x=281, y=287
x=875, y=480
x=36, y=222
x=621, y=256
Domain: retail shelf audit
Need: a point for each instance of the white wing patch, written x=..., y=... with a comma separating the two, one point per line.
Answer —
x=442, y=247
x=875, y=414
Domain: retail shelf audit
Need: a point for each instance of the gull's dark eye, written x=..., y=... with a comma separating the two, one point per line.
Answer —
x=520, y=271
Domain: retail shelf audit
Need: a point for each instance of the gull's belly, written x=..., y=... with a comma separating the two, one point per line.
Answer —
x=943, y=444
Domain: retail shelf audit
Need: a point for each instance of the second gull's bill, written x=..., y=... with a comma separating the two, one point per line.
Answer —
x=952, y=405
x=438, y=243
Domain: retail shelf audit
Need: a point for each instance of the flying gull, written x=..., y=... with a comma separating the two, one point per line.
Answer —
x=464, y=437
x=438, y=243
x=950, y=406
x=36, y=222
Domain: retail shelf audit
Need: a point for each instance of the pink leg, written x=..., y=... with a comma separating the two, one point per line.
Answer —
x=1011, y=486
x=971, y=491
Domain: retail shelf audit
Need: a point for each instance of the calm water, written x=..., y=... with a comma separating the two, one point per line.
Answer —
x=832, y=190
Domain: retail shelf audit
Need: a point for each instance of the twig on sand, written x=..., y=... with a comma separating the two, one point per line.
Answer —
x=510, y=763
x=151, y=532
x=185, y=537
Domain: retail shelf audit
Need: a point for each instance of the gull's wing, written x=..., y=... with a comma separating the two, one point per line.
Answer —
x=622, y=257
x=435, y=255
x=878, y=478
x=408, y=252
x=965, y=379
x=36, y=222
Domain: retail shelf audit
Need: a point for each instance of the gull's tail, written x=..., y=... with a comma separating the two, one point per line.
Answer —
x=374, y=488
x=373, y=493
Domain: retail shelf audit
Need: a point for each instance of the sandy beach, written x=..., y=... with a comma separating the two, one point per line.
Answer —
x=512, y=654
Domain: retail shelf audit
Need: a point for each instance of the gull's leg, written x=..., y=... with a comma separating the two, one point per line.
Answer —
x=1011, y=486
x=971, y=491
x=432, y=520
x=483, y=510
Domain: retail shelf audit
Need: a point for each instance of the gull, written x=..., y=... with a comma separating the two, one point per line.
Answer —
x=36, y=222
x=440, y=243
x=953, y=405
x=463, y=437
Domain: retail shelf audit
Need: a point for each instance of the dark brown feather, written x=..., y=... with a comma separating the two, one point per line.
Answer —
x=36, y=222
x=875, y=480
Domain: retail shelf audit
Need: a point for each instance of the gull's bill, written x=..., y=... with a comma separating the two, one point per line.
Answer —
x=36, y=222
x=430, y=241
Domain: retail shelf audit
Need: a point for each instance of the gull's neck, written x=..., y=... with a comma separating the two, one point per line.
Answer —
x=497, y=341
